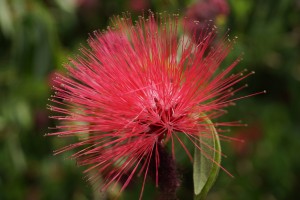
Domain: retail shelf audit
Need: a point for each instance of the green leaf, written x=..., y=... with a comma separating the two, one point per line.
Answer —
x=205, y=170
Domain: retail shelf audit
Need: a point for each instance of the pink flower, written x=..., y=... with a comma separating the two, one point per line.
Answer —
x=87, y=3
x=247, y=137
x=203, y=11
x=138, y=88
x=139, y=5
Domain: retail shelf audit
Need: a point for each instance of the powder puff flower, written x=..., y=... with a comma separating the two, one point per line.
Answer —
x=137, y=89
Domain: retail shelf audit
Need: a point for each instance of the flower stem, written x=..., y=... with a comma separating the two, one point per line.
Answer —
x=168, y=176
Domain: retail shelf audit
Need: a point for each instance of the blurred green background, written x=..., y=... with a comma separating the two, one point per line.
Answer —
x=37, y=37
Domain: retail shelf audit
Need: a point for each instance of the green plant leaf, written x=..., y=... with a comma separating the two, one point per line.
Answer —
x=205, y=170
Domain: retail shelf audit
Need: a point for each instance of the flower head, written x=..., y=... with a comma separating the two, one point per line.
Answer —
x=138, y=88
x=203, y=11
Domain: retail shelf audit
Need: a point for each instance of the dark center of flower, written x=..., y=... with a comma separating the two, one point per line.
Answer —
x=166, y=123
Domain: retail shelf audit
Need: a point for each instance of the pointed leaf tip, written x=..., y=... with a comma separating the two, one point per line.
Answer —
x=207, y=161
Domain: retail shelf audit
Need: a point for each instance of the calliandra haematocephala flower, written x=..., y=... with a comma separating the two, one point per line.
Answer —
x=136, y=89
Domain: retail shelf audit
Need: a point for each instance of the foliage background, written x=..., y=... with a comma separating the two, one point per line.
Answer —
x=37, y=36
